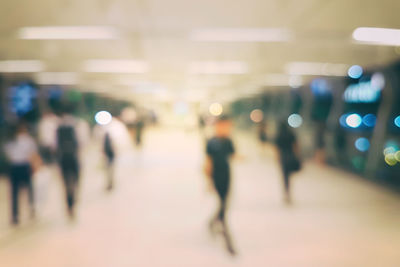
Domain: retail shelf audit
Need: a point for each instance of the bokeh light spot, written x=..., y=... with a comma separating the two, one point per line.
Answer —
x=295, y=120
x=103, y=117
x=216, y=109
x=257, y=115
x=397, y=121
x=390, y=159
x=362, y=144
x=369, y=120
x=353, y=120
x=355, y=71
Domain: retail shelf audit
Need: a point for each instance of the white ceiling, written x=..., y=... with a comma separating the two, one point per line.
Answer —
x=158, y=32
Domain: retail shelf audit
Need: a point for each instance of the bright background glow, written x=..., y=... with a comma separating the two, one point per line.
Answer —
x=103, y=117
x=379, y=36
x=397, y=155
x=397, y=121
x=218, y=67
x=295, y=120
x=316, y=68
x=369, y=120
x=115, y=66
x=67, y=33
x=241, y=35
x=391, y=152
x=353, y=120
x=390, y=159
x=355, y=71
x=257, y=115
x=216, y=109
x=342, y=120
x=57, y=78
x=362, y=144
x=378, y=80
x=21, y=66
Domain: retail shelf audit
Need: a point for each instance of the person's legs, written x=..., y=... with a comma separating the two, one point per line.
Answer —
x=68, y=188
x=220, y=217
x=31, y=195
x=215, y=219
x=138, y=138
x=222, y=208
x=110, y=173
x=225, y=229
x=14, y=182
x=286, y=181
x=70, y=172
x=221, y=190
x=68, y=185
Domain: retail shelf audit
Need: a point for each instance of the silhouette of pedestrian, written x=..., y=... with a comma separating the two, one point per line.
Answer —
x=219, y=151
x=68, y=158
x=24, y=159
x=288, y=156
x=108, y=148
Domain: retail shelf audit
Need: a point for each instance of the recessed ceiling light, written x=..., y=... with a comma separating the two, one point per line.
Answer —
x=241, y=35
x=57, y=78
x=218, y=67
x=316, y=68
x=21, y=66
x=377, y=36
x=279, y=79
x=115, y=66
x=68, y=33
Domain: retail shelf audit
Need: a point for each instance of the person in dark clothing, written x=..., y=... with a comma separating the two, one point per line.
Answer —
x=288, y=155
x=110, y=155
x=219, y=151
x=341, y=145
x=320, y=142
x=139, y=131
x=262, y=135
x=67, y=151
x=22, y=154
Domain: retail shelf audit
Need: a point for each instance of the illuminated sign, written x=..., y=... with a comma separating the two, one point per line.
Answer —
x=365, y=92
x=22, y=98
x=362, y=92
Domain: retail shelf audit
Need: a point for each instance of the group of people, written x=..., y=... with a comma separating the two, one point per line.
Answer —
x=59, y=140
x=220, y=149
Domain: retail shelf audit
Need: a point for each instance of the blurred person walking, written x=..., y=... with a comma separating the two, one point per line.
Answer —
x=320, y=142
x=139, y=127
x=288, y=154
x=109, y=152
x=68, y=158
x=22, y=154
x=219, y=150
x=262, y=132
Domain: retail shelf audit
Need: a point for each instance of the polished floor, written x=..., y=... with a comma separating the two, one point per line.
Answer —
x=157, y=215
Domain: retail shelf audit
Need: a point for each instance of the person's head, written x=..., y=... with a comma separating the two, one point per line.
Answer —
x=223, y=126
x=14, y=129
x=22, y=127
x=65, y=108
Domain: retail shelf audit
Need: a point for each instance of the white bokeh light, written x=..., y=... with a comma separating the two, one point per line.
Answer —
x=354, y=120
x=257, y=115
x=103, y=117
x=295, y=120
x=216, y=109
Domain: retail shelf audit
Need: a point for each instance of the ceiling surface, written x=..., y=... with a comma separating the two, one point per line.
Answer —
x=161, y=34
